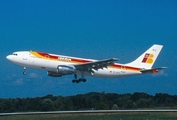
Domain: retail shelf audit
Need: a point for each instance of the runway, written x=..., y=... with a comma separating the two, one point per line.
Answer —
x=86, y=111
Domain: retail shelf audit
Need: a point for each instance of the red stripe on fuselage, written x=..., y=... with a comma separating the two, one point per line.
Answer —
x=58, y=57
x=123, y=67
x=81, y=61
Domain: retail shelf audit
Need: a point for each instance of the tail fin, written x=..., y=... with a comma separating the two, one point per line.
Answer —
x=148, y=58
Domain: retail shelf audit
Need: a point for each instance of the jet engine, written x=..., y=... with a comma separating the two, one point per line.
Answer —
x=63, y=69
x=54, y=74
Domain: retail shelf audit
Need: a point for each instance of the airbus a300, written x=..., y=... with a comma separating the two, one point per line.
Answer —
x=59, y=65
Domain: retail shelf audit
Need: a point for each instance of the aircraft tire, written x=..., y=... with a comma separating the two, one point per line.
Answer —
x=24, y=73
x=84, y=80
x=73, y=81
x=77, y=81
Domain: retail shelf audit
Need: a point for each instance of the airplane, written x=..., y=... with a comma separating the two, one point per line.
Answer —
x=60, y=65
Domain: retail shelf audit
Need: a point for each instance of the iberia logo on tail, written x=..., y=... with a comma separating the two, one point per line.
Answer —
x=148, y=58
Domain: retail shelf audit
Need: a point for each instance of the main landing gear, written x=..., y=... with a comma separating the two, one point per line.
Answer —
x=24, y=72
x=78, y=80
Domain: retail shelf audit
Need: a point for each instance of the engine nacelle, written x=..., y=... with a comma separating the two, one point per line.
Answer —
x=54, y=74
x=63, y=69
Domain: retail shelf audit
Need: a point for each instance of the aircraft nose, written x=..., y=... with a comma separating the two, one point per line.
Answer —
x=9, y=57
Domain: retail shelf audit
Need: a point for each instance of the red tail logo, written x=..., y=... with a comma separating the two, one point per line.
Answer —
x=148, y=58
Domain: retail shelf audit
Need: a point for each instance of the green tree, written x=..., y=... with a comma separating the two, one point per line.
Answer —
x=130, y=104
x=68, y=104
x=47, y=105
x=18, y=104
x=138, y=95
x=102, y=106
x=115, y=107
x=59, y=105
x=6, y=106
x=32, y=104
x=142, y=103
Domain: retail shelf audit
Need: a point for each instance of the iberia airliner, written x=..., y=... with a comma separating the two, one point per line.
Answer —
x=59, y=65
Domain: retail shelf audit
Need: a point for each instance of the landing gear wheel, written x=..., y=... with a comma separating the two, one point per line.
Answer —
x=78, y=80
x=24, y=73
x=84, y=80
x=73, y=81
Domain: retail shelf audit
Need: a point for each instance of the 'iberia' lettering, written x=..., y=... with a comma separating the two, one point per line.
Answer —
x=64, y=58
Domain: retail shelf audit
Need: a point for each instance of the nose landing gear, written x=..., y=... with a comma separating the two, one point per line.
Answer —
x=24, y=72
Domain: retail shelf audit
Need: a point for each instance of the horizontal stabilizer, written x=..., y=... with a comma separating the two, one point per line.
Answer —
x=154, y=70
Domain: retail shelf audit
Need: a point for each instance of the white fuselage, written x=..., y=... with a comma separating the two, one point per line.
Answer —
x=49, y=62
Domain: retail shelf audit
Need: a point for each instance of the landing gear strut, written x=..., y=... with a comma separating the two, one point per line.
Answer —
x=78, y=80
x=24, y=72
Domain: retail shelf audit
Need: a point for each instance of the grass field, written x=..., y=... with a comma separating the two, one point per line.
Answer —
x=97, y=116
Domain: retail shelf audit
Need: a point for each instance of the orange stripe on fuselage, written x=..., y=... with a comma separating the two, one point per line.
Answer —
x=58, y=58
x=78, y=61
x=123, y=67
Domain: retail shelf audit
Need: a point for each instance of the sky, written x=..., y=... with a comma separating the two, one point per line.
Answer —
x=94, y=29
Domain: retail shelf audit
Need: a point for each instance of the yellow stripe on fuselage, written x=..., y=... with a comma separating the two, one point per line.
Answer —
x=79, y=61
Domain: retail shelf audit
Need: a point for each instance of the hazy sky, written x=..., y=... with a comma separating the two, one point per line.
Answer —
x=96, y=29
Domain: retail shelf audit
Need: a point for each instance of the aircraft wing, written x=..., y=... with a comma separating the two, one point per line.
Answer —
x=154, y=70
x=90, y=66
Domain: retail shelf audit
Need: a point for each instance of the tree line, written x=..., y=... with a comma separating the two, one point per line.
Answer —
x=89, y=101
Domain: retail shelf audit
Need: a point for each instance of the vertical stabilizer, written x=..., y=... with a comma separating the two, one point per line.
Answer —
x=148, y=58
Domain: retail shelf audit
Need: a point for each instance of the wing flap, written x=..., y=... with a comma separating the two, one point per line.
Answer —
x=95, y=65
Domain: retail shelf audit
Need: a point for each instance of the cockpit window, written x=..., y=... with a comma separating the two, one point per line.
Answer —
x=14, y=54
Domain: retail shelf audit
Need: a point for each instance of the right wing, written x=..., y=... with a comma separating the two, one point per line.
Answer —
x=85, y=67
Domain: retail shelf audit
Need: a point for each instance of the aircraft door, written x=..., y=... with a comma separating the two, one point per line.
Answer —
x=25, y=56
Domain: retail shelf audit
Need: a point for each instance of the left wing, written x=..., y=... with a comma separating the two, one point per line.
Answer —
x=100, y=64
